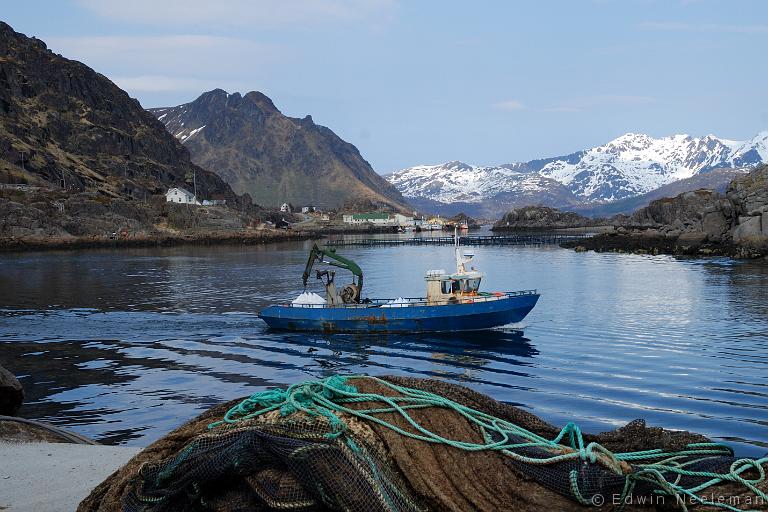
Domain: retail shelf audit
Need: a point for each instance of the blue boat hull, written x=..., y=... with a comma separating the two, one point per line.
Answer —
x=421, y=318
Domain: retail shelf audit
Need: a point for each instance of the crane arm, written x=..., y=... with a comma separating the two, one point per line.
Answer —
x=316, y=255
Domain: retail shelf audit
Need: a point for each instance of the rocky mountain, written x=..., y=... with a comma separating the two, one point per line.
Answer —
x=272, y=157
x=67, y=127
x=626, y=167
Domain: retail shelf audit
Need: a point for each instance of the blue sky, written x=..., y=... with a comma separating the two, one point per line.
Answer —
x=422, y=82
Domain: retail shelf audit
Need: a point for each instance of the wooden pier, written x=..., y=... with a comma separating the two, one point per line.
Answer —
x=521, y=239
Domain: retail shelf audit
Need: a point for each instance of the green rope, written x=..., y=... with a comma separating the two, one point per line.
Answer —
x=330, y=396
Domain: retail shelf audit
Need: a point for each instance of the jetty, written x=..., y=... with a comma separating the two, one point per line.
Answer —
x=519, y=239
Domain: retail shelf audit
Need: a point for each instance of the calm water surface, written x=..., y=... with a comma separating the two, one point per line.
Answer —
x=125, y=345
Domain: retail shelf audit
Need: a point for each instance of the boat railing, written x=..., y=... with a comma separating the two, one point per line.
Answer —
x=420, y=301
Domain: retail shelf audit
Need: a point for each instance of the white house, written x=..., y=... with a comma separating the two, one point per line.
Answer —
x=403, y=220
x=180, y=195
x=285, y=208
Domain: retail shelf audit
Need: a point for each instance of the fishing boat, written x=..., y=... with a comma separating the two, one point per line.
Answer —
x=453, y=302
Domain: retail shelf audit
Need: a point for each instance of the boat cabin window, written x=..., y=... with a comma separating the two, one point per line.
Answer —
x=450, y=286
x=470, y=285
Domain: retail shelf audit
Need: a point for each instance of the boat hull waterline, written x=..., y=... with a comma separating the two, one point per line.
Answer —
x=465, y=316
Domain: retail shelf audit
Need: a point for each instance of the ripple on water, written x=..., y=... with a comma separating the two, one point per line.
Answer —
x=123, y=346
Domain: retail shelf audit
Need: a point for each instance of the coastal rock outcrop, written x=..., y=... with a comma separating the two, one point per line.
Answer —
x=462, y=218
x=542, y=217
x=700, y=211
x=702, y=222
x=11, y=393
x=749, y=196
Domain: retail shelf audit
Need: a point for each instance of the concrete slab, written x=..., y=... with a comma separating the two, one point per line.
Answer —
x=54, y=477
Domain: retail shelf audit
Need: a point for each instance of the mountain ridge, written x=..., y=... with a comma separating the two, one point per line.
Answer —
x=275, y=158
x=628, y=166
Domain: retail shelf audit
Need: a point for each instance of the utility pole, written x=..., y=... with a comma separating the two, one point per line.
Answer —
x=194, y=183
x=22, y=160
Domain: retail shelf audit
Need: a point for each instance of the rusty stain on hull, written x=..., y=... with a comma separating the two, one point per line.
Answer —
x=374, y=320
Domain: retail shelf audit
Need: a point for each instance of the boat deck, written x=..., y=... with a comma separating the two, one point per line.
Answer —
x=418, y=301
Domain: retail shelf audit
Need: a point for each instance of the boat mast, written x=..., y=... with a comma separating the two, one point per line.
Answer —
x=459, y=263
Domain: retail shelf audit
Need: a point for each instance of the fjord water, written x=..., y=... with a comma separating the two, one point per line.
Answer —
x=125, y=345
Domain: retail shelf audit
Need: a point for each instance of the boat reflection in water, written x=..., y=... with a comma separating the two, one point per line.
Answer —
x=466, y=357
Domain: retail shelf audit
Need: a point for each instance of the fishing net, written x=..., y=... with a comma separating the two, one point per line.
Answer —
x=363, y=443
x=272, y=465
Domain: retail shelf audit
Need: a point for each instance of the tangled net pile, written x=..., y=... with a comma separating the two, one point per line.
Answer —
x=351, y=443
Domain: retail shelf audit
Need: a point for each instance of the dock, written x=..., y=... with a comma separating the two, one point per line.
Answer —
x=55, y=477
x=520, y=239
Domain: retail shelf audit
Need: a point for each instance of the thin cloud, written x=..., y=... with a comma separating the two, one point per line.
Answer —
x=175, y=63
x=166, y=55
x=243, y=13
x=509, y=105
x=674, y=26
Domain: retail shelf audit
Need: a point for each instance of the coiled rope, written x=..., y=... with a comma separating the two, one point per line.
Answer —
x=329, y=396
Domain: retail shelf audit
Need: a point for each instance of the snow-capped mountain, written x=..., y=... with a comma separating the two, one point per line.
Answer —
x=628, y=166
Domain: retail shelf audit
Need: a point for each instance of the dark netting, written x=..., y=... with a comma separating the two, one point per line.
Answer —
x=271, y=465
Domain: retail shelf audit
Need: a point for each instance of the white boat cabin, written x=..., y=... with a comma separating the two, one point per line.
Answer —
x=460, y=286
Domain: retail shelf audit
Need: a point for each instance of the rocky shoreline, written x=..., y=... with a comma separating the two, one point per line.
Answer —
x=33, y=219
x=698, y=223
x=655, y=244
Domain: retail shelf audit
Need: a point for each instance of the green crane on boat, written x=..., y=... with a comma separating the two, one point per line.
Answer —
x=349, y=293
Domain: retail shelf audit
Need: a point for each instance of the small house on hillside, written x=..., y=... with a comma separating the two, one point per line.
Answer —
x=180, y=195
x=286, y=208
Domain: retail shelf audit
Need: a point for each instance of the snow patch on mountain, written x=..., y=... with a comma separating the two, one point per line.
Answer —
x=454, y=181
x=628, y=166
x=634, y=164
